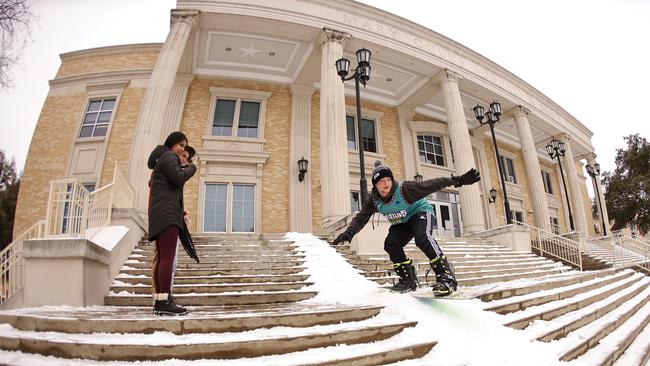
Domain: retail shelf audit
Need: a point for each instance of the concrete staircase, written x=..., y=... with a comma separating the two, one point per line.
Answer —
x=246, y=300
x=617, y=255
x=476, y=262
x=597, y=315
x=601, y=314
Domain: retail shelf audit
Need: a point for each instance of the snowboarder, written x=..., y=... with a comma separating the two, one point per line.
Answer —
x=405, y=206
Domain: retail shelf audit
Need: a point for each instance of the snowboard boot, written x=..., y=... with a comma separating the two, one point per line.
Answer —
x=445, y=277
x=408, y=280
x=163, y=306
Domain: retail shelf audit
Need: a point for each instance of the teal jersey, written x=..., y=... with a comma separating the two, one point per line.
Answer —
x=398, y=211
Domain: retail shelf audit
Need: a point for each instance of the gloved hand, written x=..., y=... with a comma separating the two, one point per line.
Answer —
x=470, y=177
x=344, y=236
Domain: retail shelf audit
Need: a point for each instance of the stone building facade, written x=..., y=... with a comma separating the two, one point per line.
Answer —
x=255, y=89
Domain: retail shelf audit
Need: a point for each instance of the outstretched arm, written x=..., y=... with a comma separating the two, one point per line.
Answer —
x=413, y=191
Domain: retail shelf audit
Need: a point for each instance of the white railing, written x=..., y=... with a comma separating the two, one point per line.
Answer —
x=622, y=250
x=12, y=262
x=553, y=245
x=72, y=212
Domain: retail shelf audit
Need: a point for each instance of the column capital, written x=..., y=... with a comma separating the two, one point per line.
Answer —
x=189, y=17
x=446, y=75
x=297, y=89
x=517, y=112
x=332, y=35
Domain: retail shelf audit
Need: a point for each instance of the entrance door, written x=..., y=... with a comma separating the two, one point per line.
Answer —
x=445, y=220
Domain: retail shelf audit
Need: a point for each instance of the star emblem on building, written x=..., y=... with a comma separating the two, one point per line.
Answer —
x=250, y=51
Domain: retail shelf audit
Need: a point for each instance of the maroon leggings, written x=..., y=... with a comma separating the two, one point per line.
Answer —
x=164, y=261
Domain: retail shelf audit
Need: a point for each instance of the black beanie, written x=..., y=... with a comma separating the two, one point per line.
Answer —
x=174, y=138
x=381, y=171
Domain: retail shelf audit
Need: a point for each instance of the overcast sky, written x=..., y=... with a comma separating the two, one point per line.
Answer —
x=591, y=57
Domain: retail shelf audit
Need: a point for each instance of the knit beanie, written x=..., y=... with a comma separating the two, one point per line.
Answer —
x=381, y=171
x=174, y=138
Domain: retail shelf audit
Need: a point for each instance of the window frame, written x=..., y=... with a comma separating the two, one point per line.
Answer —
x=230, y=187
x=357, y=138
x=358, y=194
x=93, y=98
x=239, y=96
x=442, y=148
x=369, y=114
x=548, y=182
x=507, y=169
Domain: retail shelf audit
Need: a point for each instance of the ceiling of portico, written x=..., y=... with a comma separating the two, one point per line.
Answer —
x=242, y=47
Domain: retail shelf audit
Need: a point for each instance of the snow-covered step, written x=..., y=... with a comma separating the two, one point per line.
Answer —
x=528, y=287
x=638, y=353
x=239, y=251
x=523, y=302
x=620, y=327
x=532, y=273
x=216, y=279
x=552, y=310
x=214, y=288
x=282, y=270
x=464, y=273
x=211, y=299
x=562, y=326
x=109, y=319
x=211, y=265
x=183, y=258
x=109, y=347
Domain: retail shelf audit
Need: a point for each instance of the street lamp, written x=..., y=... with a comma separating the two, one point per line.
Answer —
x=493, y=195
x=492, y=117
x=361, y=75
x=555, y=149
x=594, y=171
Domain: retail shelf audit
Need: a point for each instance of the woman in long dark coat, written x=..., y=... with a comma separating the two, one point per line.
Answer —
x=166, y=214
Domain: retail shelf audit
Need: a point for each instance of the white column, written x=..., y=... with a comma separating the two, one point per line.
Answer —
x=300, y=192
x=155, y=104
x=408, y=150
x=470, y=197
x=533, y=170
x=577, y=204
x=597, y=184
x=335, y=175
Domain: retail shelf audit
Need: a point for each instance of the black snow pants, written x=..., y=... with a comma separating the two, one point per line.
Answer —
x=420, y=227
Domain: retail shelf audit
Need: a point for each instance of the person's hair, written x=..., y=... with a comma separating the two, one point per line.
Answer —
x=174, y=138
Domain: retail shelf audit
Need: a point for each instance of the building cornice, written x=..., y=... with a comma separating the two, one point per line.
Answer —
x=111, y=50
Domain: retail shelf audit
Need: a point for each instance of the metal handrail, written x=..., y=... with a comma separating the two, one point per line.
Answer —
x=12, y=261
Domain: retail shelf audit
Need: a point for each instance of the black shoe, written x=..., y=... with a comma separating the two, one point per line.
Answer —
x=408, y=280
x=164, y=307
x=445, y=277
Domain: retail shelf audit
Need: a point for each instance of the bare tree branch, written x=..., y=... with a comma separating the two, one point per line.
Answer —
x=15, y=31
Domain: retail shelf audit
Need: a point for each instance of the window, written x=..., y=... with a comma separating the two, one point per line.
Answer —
x=430, y=150
x=368, y=134
x=555, y=225
x=216, y=215
x=546, y=178
x=243, y=208
x=517, y=215
x=354, y=201
x=236, y=115
x=214, y=211
x=90, y=187
x=97, y=118
x=508, y=169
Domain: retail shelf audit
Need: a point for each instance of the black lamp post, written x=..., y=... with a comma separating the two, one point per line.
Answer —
x=361, y=75
x=492, y=117
x=418, y=177
x=555, y=149
x=302, y=168
x=493, y=195
x=594, y=171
